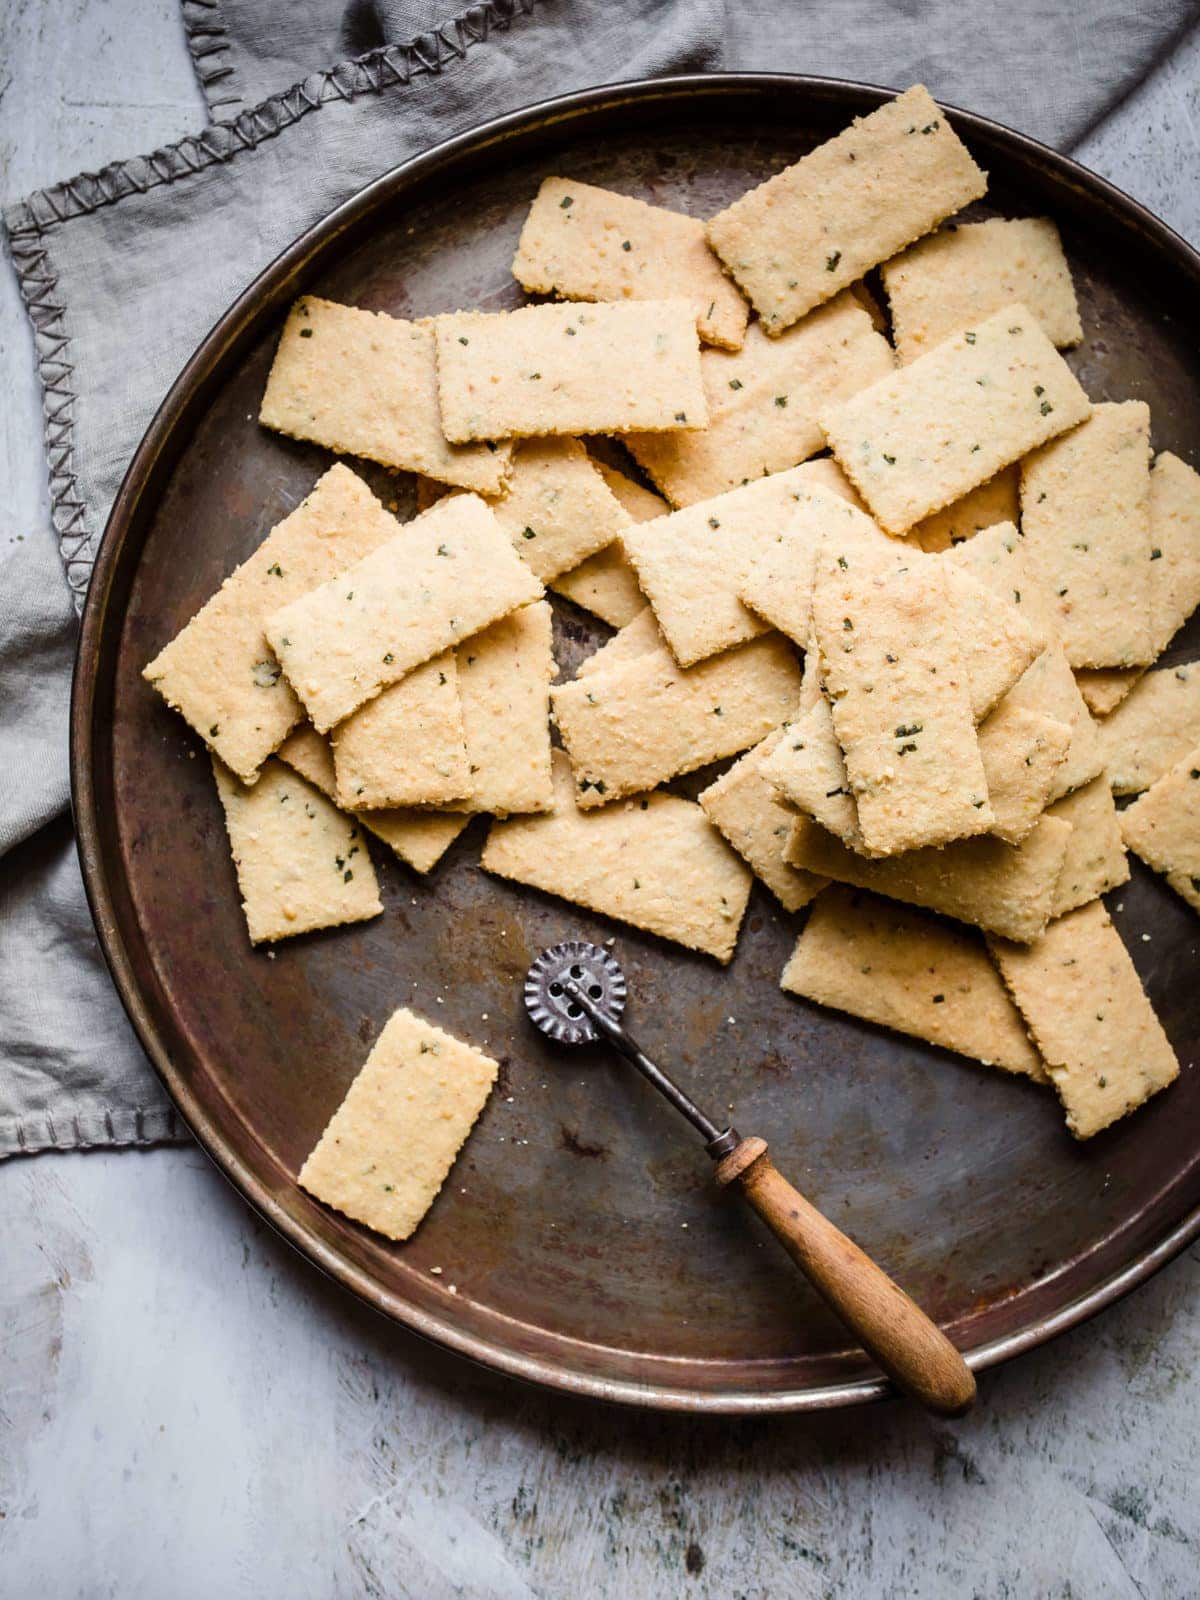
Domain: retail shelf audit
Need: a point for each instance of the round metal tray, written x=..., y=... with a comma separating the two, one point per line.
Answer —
x=580, y=1227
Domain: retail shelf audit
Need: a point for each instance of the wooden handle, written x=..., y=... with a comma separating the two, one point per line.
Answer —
x=911, y=1349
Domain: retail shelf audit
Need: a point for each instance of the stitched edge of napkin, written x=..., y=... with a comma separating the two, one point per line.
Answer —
x=109, y=1130
x=212, y=54
x=31, y=221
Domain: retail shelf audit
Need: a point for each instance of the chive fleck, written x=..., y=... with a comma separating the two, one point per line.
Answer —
x=714, y=522
x=781, y=400
x=626, y=245
x=681, y=416
x=1156, y=554
x=566, y=202
x=735, y=383
x=388, y=659
x=891, y=460
x=969, y=337
x=1046, y=408
x=832, y=261
x=306, y=333
x=528, y=533
x=462, y=339
x=276, y=571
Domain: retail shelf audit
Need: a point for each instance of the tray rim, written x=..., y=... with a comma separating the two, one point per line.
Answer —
x=276, y=283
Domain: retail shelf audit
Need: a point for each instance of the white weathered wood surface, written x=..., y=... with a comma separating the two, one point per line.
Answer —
x=187, y=1409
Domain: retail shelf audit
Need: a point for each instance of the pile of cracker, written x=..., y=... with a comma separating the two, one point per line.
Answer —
x=973, y=561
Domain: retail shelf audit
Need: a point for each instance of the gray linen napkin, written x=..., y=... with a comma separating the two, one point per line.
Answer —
x=165, y=241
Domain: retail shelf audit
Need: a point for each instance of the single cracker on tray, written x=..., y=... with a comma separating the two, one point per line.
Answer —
x=406, y=747
x=1152, y=728
x=959, y=276
x=584, y=243
x=443, y=577
x=1085, y=519
x=906, y=970
x=692, y=564
x=1174, y=574
x=504, y=678
x=1006, y=888
x=301, y=864
x=814, y=228
x=1095, y=860
x=365, y=384
x=654, y=861
x=745, y=807
x=219, y=672
x=630, y=727
x=557, y=510
x=895, y=670
x=922, y=438
x=1084, y=1004
x=763, y=402
x=419, y=838
x=606, y=584
x=1163, y=827
x=392, y=1141
x=612, y=368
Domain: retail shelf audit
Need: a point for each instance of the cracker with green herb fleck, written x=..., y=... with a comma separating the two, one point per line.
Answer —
x=807, y=769
x=557, y=509
x=219, y=672
x=1095, y=861
x=611, y=368
x=956, y=278
x=629, y=727
x=1152, y=728
x=301, y=864
x=924, y=437
x=1084, y=1005
x=419, y=838
x=744, y=806
x=391, y=1143
x=1085, y=519
x=895, y=670
x=692, y=564
x=1021, y=751
x=504, y=678
x=997, y=500
x=763, y=402
x=1163, y=826
x=814, y=228
x=906, y=970
x=407, y=746
x=654, y=861
x=365, y=384
x=445, y=576
x=584, y=243
x=1174, y=575
x=1006, y=888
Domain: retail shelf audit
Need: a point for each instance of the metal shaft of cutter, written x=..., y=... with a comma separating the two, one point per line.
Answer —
x=620, y=1040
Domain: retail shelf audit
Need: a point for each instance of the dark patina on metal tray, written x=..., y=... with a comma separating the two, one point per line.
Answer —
x=580, y=1226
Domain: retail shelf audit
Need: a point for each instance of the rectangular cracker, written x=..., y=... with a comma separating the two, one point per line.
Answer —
x=406, y=747
x=300, y=863
x=655, y=862
x=1084, y=1004
x=1006, y=888
x=419, y=838
x=446, y=575
x=504, y=678
x=219, y=672
x=957, y=277
x=388, y=1147
x=557, y=509
x=907, y=970
x=1095, y=860
x=807, y=770
x=1021, y=751
x=612, y=368
x=365, y=384
x=997, y=500
x=692, y=564
x=922, y=438
x=606, y=584
x=997, y=558
x=630, y=727
x=894, y=668
x=1085, y=518
x=1152, y=728
x=745, y=807
x=1163, y=826
x=584, y=243
x=763, y=402
x=888, y=178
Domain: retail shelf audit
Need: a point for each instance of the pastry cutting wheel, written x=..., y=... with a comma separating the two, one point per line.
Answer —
x=575, y=993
